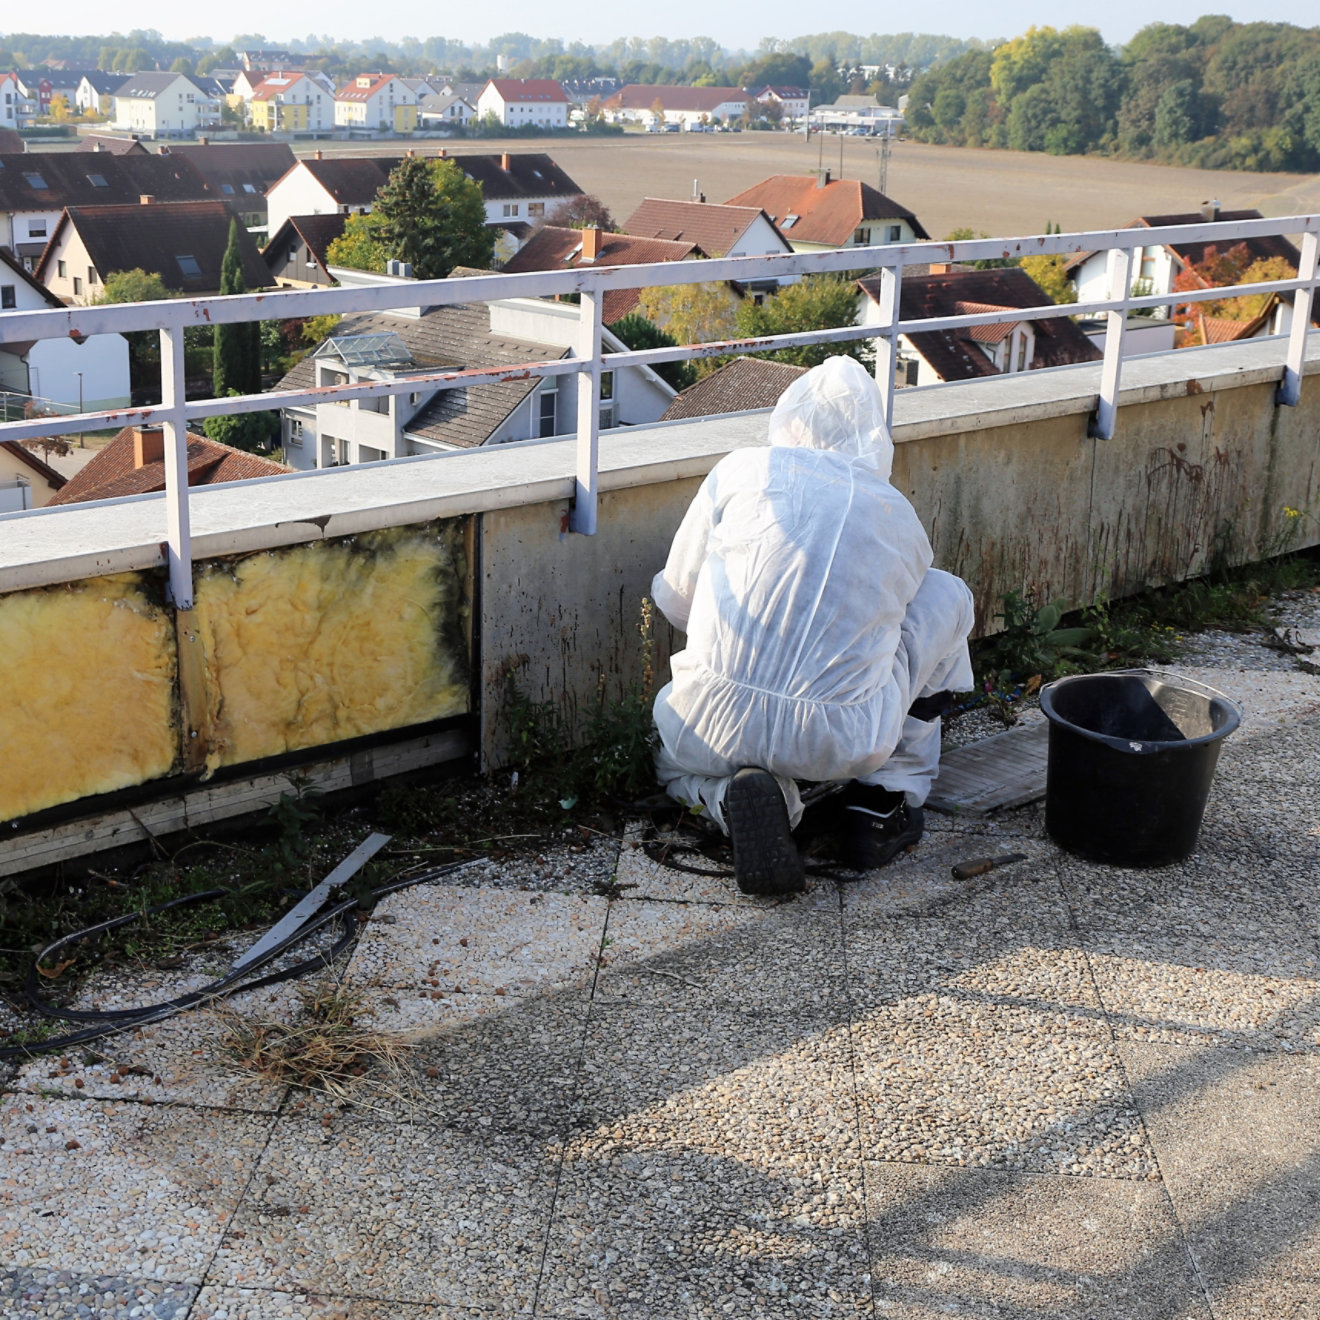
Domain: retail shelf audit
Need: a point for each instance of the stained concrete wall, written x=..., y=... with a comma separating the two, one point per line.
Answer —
x=316, y=622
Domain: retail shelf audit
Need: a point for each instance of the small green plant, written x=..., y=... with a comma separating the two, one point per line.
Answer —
x=1033, y=644
x=291, y=815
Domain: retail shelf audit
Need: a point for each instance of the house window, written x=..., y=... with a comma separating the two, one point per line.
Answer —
x=77, y=285
x=895, y=233
x=607, y=410
x=92, y=276
x=188, y=267
x=295, y=431
x=227, y=189
x=547, y=424
x=862, y=236
x=97, y=181
x=8, y=296
x=535, y=208
x=36, y=229
x=35, y=181
x=61, y=269
x=510, y=208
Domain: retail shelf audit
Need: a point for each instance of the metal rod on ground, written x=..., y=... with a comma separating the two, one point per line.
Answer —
x=310, y=904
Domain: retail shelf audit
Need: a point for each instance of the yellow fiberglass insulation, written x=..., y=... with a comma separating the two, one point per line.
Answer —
x=90, y=668
x=323, y=642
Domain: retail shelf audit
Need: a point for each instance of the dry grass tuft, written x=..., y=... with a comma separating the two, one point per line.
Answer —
x=326, y=1051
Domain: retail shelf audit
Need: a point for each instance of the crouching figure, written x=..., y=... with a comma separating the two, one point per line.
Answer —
x=820, y=641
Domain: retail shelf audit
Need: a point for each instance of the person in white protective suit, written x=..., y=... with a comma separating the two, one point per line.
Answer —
x=820, y=640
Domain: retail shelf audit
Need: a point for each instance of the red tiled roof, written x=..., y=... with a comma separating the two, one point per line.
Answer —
x=715, y=229
x=1267, y=245
x=352, y=92
x=553, y=248
x=112, y=474
x=528, y=89
x=984, y=334
x=739, y=386
x=693, y=100
x=827, y=213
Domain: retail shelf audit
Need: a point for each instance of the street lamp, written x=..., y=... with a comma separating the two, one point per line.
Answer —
x=82, y=435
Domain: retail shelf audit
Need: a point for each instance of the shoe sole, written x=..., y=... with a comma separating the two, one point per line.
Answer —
x=765, y=858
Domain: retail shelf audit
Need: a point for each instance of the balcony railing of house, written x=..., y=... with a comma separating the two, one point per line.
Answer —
x=172, y=318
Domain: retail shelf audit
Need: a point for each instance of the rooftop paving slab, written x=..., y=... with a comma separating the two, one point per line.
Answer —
x=1057, y=1090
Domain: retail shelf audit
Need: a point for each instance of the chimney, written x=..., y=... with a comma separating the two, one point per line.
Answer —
x=939, y=268
x=148, y=445
x=444, y=151
x=145, y=199
x=504, y=162
x=320, y=155
x=206, y=142
x=592, y=241
x=410, y=153
x=1210, y=211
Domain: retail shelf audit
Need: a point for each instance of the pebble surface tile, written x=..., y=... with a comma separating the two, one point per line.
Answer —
x=626, y=1090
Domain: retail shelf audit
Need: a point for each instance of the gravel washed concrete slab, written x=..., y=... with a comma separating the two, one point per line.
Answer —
x=133, y=1191
x=943, y=1081
x=643, y=1231
x=760, y=1089
x=1258, y=994
x=783, y=957
x=359, y=1208
x=981, y=1242
x=1237, y=1135
x=480, y=941
x=261, y=1304
x=49, y=1294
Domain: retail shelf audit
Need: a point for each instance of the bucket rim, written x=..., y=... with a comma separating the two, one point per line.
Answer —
x=1145, y=746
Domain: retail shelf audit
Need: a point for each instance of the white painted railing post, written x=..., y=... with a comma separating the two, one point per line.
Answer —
x=178, y=533
x=886, y=345
x=1291, y=389
x=1121, y=262
x=583, y=517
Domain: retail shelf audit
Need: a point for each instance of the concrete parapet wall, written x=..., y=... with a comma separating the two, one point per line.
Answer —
x=316, y=623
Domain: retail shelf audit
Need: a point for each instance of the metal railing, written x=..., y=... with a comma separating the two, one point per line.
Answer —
x=174, y=412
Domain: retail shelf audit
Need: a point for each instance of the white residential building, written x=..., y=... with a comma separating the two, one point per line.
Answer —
x=164, y=105
x=16, y=107
x=516, y=102
x=380, y=102
x=291, y=101
x=394, y=345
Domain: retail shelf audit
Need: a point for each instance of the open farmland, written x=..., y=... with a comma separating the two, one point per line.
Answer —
x=996, y=192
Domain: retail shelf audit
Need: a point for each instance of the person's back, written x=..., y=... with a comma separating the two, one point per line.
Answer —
x=793, y=574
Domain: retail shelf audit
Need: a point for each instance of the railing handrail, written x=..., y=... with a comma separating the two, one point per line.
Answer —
x=887, y=262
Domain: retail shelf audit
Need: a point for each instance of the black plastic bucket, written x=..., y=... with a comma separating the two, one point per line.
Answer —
x=1131, y=759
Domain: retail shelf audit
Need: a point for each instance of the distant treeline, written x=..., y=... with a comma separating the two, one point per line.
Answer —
x=831, y=63
x=1217, y=94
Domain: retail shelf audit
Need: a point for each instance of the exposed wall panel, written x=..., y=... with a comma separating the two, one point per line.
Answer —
x=333, y=640
x=90, y=669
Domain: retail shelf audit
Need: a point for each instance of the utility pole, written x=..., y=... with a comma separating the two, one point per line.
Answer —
x=884, y=161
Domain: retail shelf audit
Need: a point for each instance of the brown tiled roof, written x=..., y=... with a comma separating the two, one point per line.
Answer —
x=826, y=213
x=50, y=181
x=352, y=180
x=111, y=474
x=553, y=248
x=1268, y=245
x=455, y=337
x=739, y=386
x=237, y=163
x=11, y=142
x=952, y=354
x=530, y=174
x=103, y=144
x=151, y=238
x=694, y=100
x=528, y=89
x=316, y=231
x=53, y=479
x=714, y=229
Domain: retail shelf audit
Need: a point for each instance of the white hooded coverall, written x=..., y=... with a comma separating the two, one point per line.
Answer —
x=803, y=580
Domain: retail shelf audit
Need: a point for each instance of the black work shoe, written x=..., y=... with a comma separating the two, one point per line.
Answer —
x=877, y=826
x=765, y=858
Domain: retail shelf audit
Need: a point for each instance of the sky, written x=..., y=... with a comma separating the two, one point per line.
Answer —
x=738, y=25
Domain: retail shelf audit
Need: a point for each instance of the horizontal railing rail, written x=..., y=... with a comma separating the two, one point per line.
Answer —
x=171, y=318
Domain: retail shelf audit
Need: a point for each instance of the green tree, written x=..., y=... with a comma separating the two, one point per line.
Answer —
x=639, y=333
x=250, y=431
x=130, y=286
x=584, y=211
x=428, y=213
x=692, y=314
x=818, y=302
x=236, y=348
x=1049, y=273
